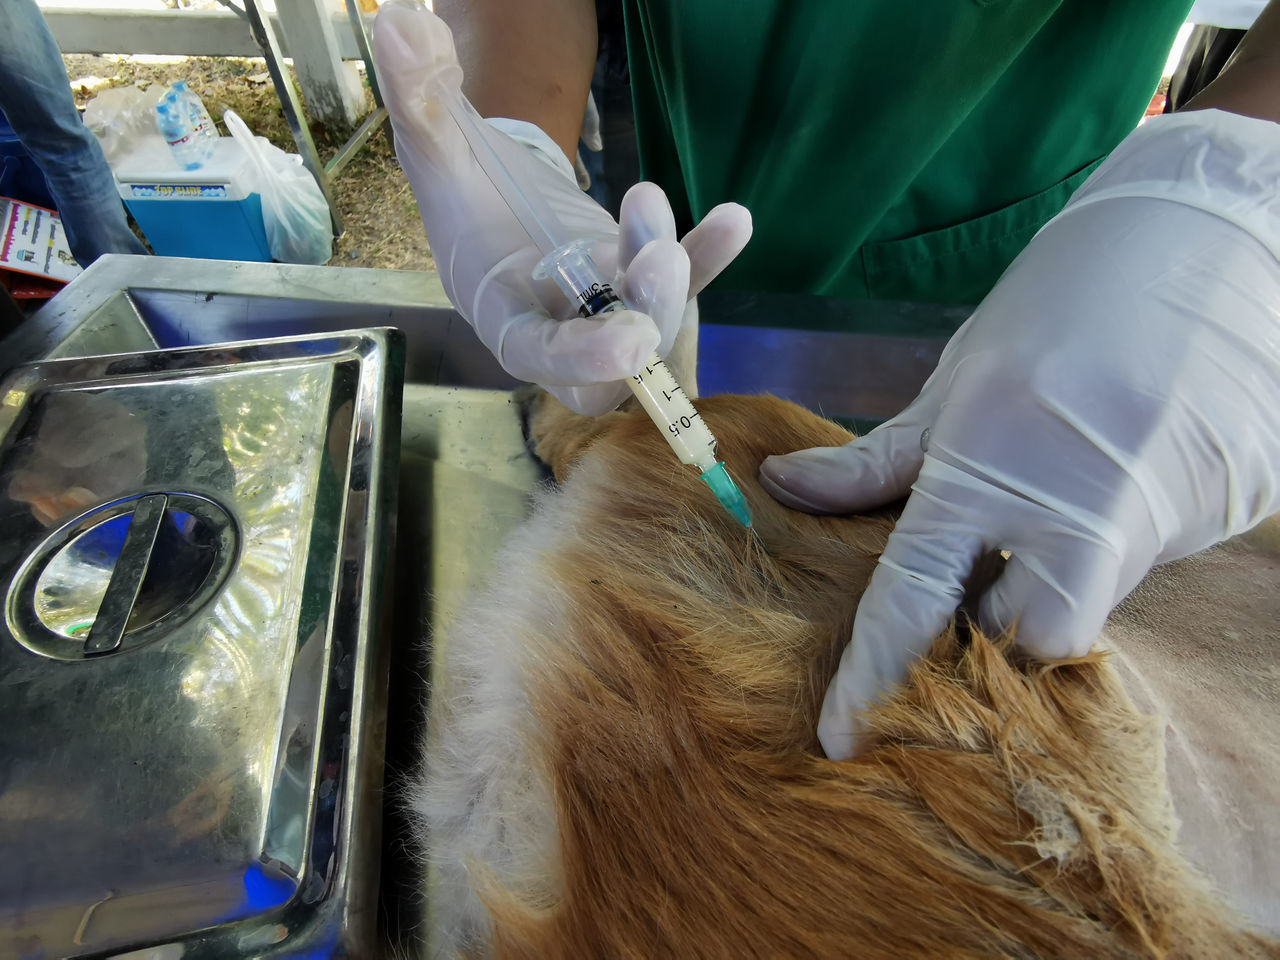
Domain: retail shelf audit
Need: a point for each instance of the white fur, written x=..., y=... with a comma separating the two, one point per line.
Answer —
x=484, y=803
x=1197, y=644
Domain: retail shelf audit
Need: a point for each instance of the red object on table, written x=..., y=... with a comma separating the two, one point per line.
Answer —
x=24, y=286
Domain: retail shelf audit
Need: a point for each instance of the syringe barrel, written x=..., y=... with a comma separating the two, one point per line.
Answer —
x=668, y=406
x=575, y=273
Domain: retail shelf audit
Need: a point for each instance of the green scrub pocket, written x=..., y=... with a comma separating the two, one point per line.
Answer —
x=961, y=263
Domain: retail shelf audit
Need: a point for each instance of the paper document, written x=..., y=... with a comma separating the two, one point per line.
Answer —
x=32, y=241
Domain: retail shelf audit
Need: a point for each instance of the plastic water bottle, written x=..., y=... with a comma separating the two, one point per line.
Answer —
x=201, y=122
x=186, y=126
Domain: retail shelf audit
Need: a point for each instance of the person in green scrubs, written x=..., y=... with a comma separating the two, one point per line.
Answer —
x=892, y=151
x=885, y=150
x=1109, y=405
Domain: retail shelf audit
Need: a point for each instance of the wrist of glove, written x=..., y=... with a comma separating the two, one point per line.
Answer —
x=486, y=259
x=1109, y=406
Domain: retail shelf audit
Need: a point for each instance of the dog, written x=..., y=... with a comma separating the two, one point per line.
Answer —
x=622, y=760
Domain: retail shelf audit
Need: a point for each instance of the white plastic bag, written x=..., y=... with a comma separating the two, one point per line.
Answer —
x=294, y=210
x=124, y=120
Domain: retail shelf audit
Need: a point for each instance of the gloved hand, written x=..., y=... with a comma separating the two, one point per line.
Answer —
x=1114, y=403
x=485, y=257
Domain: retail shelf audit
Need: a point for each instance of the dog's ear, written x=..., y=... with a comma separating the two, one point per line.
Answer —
x=556, y=435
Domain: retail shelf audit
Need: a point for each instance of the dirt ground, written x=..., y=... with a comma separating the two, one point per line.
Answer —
x=383, y=228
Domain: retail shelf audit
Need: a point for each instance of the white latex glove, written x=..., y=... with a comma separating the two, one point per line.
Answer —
x=1114, y=403
x=485, y=257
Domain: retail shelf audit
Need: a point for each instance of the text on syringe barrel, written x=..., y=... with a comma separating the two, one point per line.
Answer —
x=671, y=409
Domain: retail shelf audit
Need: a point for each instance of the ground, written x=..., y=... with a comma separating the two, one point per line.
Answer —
x=383, y=228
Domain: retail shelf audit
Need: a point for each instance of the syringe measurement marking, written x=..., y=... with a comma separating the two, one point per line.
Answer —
x=685, y=421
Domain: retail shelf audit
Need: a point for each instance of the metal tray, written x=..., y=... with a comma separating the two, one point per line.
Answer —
x=192, y=546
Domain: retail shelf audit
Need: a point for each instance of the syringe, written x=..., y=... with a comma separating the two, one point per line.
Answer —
x=570, y=265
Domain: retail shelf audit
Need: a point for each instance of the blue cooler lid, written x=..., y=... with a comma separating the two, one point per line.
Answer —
x=150, y=172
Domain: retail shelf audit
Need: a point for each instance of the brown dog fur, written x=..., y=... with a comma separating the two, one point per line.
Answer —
x=1007, y=808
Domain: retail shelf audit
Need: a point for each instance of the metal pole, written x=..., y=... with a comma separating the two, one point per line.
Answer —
x=265, y=37
x=366, y=52
x=358, y=139
x=375, y=120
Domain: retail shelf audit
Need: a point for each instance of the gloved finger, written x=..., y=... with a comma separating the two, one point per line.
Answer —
x=591, y=125
x=578, y=351
x=657, y=283
x=417, y=68
x=868, y=472
x=912, y=596
x=714, y=243
x=1057, y=601
x=644, y=216
x=593, y=400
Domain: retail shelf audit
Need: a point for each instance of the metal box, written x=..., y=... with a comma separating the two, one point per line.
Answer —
x=192, y=687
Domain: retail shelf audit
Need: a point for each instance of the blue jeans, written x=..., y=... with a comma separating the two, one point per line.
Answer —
x=35, y=95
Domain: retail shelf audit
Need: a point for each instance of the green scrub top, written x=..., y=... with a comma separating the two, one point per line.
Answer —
x=887, y=150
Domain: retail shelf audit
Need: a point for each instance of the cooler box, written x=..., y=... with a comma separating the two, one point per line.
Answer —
x=212, y=212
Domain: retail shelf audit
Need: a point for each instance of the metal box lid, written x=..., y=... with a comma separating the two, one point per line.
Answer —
x=190, y=544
